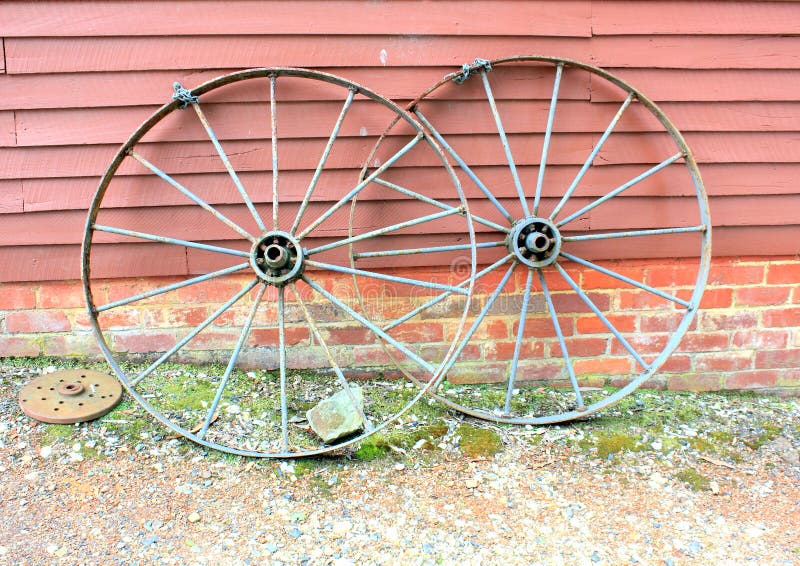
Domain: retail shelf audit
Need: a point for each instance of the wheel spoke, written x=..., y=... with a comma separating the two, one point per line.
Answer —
x=634, y=233
x=173, y=287
x=627, y=280
x=621, y=188
x=504, y=140
x=353, y=314
x=443, y=296
x=548, y=131
x=168, y=240
x=585, y=298
x=466, y=168
x=232, y=363
x=439, y=204
x=384, y=277
x=526, y=297
x=561, y=342
x=315, y=179
x=358, y=188
x=273, y=111
x=191, y=196
x=227, y=163
x=590, y=159
x=202, y=326
x=477, y=322
x=282, y=363
x=337, y=370
x=433, y=249
x=386, y=230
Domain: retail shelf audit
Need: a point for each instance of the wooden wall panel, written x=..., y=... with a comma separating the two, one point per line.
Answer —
x=77, y=77
x=299, y=17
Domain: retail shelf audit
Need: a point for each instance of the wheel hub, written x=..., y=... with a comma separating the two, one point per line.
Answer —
x=534, y=241
x=277, y=258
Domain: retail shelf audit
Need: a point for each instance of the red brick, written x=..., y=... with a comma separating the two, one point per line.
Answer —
x=505, y=350
x=570, y=302
x=676, y=363
x=671, y=275
x=554, y=280
x=663, y=322
x=579, y=347
x=753, y=379
x=435, y=353
x=542, y=327
x=713, y=298
x=18, y=346
x=728, y=320
x=269, y=336
x=178, y=316
x=61, y=296
x=213, y=339
x=695, y=382
x=370, y=356
x=642, y=300
x=142, y=343
x=593, y=279
x=16, y=297
x=311, y=358
x=216, y=291
x=36, y=321
x=118, y=290
x=491, y=329
x=760, y=339
x=413, y=332
x=83, y=345
x=759, y=296
x=723, y=361
x=769, y=359
x=539, y=370
x=591, y=324
x=789, y=273
x=641, y=343
x=704, y=342
x=603, y=366
x=735, y=274
x=782, y=317
x=478, y=373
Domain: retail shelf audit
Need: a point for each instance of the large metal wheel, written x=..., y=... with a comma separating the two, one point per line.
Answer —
x=549, y=186
x=279, y=248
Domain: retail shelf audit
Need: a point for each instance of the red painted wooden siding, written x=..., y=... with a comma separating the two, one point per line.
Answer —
x=77, y=77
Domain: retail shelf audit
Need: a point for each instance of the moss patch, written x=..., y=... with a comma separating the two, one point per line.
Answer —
x=478, y=442
x=693, y=479
x=769, y=432
x=607, y=444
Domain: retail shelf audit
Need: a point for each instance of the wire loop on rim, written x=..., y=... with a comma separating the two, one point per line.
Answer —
x=184, y=95
x=467, y=69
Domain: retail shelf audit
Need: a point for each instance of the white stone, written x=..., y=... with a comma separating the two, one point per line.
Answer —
x=46, y=451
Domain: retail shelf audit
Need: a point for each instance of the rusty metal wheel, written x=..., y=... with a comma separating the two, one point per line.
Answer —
x=260, y=235
x=558, y=236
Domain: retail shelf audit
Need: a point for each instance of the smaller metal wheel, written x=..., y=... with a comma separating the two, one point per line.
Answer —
x=251, y=229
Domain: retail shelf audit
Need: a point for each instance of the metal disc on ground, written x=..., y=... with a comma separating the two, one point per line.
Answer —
x=70, y=396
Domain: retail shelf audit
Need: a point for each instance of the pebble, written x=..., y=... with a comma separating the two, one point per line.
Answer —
x=194, y=517
x=471, y=483
x=341, y=528
x=46, y=451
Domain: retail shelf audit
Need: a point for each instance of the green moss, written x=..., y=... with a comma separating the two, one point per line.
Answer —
x=702, y=445
x=53, y=433
x=693, y=479
x=769, y=433
x=721, y=436
x=616, y=442
x=372, y=448
x=476, y=442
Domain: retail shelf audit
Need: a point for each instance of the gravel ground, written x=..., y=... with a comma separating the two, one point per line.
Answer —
x=664, y=479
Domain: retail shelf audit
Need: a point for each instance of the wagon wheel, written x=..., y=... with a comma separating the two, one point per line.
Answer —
x=264, y=289
x=555, y=196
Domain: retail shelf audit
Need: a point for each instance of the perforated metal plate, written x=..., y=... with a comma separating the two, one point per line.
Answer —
x=70, y=396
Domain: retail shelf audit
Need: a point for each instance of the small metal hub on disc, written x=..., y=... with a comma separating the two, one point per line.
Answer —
x=534, y=241
x=277, y=258
x=70, y=396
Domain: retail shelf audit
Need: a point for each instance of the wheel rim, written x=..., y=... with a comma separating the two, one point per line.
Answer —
x=291, y=262
x=541, y=243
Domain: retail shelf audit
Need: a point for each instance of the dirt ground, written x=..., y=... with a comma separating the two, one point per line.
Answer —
x=666, y=479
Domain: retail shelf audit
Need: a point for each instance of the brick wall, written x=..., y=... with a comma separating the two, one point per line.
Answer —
x=746, y=335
